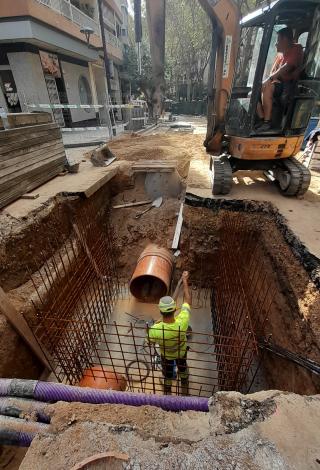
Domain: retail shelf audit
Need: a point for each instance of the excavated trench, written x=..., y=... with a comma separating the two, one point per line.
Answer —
x=252, y=284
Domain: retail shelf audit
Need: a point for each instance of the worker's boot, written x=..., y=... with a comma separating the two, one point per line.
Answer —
x=167, y=386
x=184, y=385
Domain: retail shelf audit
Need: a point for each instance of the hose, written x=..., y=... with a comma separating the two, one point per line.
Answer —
x=19, y=432
x=301, y=361
x=15, y=438
x=21, y=408
x=53, y=392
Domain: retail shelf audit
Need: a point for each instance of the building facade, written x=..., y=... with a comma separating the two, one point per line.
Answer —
x=45, y=59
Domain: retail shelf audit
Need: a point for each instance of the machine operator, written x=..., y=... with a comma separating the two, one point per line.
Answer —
x=285, y=71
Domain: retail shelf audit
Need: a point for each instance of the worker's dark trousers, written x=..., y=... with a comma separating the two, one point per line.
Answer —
x=168, y=369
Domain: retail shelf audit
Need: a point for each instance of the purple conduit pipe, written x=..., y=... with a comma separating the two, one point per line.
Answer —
x=14, y=438
x=53, y=392
x=19, y=432
x=20, y=408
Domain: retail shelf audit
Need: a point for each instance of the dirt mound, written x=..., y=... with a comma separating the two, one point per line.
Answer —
x=180, y=147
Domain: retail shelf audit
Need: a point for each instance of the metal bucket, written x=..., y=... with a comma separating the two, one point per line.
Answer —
x=152, y=276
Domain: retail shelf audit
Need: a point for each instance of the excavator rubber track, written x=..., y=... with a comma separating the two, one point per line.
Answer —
x=299, y=178
x=221, y=175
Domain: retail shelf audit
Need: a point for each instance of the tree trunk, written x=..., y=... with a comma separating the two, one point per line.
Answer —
x=156, y=26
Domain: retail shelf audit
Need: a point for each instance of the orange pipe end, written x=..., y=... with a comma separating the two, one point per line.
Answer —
x=152, y=276
x=103, y=379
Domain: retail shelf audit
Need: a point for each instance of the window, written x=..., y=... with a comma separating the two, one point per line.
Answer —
x=247, y=61
x=313, y=53
x=272, y=53
x=303, y=38
x=84, y=91
x=249, y=49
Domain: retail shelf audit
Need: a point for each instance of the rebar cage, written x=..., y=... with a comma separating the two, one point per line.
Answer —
x=78, y=290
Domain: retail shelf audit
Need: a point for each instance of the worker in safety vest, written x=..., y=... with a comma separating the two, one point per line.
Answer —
x=170, y=334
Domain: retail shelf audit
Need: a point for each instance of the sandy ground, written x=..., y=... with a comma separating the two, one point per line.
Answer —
x=294, y=316
x=168, y=146
x=158, y=226
x=302, y=214
x=262, y=431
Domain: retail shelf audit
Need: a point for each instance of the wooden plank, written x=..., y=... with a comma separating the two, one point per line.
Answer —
x=32, y=134
x=15, y=171
x=154, y=165
x=21, y=326
x=176, y=238
x=24, y=130
x=5, y=150
x=34, y=157
x=23, y=183
x=28, y=150
x=153, y=170
x=36, y=180
x=31, y=141
x=28, y=119
x=27, y=177
x=32, y=181
x=23, y=151
x=25, y=158
x=151, y=166
x=29, y=157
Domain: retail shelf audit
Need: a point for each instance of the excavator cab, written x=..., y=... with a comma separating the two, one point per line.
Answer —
x=244, y=146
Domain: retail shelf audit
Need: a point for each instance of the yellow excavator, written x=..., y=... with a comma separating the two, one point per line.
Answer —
x=243, y=51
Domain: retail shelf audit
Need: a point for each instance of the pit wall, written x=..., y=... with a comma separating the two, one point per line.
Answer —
x=27, y=241
x=23, y=247
x=293, y=321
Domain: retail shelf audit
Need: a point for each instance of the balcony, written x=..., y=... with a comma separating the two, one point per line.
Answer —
x=113, y=40
x=108, y=18
x=73, y=13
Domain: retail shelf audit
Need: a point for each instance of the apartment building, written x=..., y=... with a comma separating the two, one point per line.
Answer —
x=46, y=59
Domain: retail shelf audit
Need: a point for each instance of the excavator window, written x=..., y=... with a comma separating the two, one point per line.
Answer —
x=257, y=52
x=272, y=50
x=248, y=55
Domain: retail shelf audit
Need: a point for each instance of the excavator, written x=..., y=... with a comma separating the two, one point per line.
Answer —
x=243, y=52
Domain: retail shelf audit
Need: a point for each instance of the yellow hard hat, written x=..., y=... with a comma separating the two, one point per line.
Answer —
x=167, y=305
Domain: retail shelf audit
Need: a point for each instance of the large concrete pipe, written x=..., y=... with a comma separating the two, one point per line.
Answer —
x=152, y=276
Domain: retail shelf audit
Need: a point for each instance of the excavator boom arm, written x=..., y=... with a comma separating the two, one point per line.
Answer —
x=225, y=16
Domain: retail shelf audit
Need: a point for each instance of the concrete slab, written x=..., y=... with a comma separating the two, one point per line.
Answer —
x=302, y=215
x=86, y=182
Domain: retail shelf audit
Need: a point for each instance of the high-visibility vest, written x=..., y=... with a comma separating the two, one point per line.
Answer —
x=172, y=337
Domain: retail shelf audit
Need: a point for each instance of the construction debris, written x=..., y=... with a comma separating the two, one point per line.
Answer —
x=176, y=238
x=102, y=156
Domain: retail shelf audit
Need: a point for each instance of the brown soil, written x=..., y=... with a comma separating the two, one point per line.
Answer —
x=132, y=235
x=294, y=321
x=178, y=146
